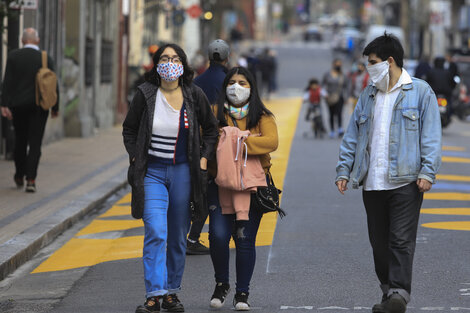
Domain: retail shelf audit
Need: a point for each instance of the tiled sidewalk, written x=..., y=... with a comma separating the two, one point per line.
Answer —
x=75, y=175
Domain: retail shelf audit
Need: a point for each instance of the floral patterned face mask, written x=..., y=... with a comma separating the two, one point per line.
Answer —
x=170, y=71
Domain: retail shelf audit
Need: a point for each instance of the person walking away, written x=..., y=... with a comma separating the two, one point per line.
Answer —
x=423, y=68
x=359, y=81
x=267, y=67
x=169, y=134
x=392, y=147
x=451, y=66
x=441, y=81
x=19, y=104
x=335, y=84
x=211, y=83
x=239, y=106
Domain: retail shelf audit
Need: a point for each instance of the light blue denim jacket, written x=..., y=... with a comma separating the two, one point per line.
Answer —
x=415, y=136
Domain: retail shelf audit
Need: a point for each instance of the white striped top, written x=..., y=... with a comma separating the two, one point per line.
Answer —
x=165, y=129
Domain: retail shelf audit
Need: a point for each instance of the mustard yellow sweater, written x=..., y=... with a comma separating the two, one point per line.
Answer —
x=262, y=141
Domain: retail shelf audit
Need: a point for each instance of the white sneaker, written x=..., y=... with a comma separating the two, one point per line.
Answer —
x=240, y=301
x=220, y=293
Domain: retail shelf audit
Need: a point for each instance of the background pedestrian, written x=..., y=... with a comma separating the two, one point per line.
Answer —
x=211, y=83
x=19, y=104
x=335, y=84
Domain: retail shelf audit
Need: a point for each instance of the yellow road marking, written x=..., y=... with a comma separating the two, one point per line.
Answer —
x=117, y=210
x=80, y=252
x=453, y=177
x=287, y=112
x=447, y=196
x=125, y=199
x=447, y=211
x=100, y=226
x=465, y=225
x=450, y=159
x=453, y=148
x=88, y=252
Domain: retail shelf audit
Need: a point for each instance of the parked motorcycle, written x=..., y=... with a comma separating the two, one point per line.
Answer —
x=444, y=110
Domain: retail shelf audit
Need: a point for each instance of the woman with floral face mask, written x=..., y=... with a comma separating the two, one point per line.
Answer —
x=240, y=106
x=168, y=169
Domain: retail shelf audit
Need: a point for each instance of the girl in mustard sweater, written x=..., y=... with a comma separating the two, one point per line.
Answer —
x=239, y=105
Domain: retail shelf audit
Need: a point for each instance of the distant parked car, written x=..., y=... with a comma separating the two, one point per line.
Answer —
x=313, y=32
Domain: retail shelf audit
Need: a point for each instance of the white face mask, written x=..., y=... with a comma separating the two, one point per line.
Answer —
x=379, y=75
x=237, y=94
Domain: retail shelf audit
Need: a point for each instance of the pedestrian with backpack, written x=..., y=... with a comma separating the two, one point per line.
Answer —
x=30, y=90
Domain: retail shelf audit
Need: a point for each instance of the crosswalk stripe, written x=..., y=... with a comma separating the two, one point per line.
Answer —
x=453, y=148
x=457, y=225
x=453, y=177
x=447, y=211
x=457, y=196
x=450, y=159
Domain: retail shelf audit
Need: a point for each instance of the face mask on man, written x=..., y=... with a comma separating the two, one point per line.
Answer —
x=170, y=71
x=237, y=94
x=379, y=75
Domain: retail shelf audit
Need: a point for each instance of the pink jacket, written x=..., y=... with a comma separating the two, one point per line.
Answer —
x=238, y=174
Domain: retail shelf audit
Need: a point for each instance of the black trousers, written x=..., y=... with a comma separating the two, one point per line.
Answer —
x=29, y=124
x=336, y=110
x=392, y=220
x=197, y=226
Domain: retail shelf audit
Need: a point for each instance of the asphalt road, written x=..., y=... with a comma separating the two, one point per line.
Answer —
x=319, y=260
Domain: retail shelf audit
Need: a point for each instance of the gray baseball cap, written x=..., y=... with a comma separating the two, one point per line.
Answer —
x=219, y=47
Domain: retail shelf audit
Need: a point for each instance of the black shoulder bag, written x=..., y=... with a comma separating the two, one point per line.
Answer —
x=267, y=198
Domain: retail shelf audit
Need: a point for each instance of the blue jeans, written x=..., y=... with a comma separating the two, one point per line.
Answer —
x=166, y=219
x=224, y=226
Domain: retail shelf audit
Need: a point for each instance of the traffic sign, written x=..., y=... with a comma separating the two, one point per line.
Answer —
x=194, y=11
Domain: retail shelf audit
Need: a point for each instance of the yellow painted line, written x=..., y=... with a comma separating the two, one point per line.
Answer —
x=447, y=211
x=286, y=111
x=81, y=252
x=450, y=159
x=453, y=177
x=453, y=148
x=447, y=196
x=117, y=210
x=464, y=225
x=125, y=199
x=100, y=226
x=88, y=252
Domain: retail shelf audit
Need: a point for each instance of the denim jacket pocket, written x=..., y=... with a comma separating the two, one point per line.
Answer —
x=411, y=118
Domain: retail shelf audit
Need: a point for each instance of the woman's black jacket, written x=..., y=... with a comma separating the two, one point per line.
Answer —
x=137, y=133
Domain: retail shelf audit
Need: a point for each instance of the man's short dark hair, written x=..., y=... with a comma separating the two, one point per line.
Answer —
x=384, y=47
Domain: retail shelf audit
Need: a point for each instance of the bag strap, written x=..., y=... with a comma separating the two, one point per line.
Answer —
x=234, y=121
x=44, y=59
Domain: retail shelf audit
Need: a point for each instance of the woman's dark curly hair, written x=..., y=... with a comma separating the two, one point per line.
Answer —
x=152, y=75
x=257, y=108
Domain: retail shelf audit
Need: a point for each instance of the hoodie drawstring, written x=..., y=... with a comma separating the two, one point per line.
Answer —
x=238, y=150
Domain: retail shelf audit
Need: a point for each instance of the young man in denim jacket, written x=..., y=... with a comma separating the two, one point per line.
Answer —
x=393, y=148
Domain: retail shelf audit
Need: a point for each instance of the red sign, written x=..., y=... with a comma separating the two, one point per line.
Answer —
x=194, y=11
